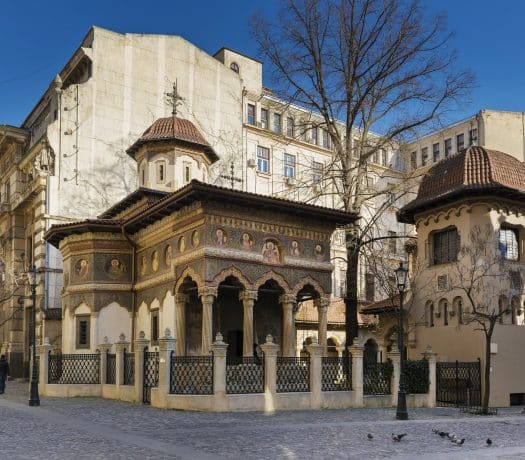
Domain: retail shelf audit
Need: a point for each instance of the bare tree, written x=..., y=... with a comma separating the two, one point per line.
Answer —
x=484, y=276
x=364, y=66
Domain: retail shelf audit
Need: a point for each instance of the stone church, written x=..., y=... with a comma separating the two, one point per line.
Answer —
x=197, y=259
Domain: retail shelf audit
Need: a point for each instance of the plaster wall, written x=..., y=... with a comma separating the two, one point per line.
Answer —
x=112, y=321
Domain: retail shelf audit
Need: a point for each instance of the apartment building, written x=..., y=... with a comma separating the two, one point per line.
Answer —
x=67, y=160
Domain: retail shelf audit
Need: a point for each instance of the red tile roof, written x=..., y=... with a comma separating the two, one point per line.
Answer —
x=472, y=172
x=383, y=306
x=173, y=129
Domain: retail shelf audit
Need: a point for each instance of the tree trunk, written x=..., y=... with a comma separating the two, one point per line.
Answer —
x=351, y=304
x=486, y=381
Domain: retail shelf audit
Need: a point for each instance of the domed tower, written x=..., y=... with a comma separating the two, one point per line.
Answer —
x=170, y=153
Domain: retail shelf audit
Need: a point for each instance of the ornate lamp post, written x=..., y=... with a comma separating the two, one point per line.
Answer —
x=34, y=399
x=401, y=279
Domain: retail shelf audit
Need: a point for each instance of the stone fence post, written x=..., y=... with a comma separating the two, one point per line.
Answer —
x=43, y=371
x=120, y=347
x=166, y=347
x=316, y=353
x=430, y=356
x=395, y=357
x=270, y=351
x=140, y=344
x=356, y=350
x=104, y=349
x=219, y=349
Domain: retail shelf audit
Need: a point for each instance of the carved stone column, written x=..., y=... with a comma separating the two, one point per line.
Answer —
x=180, y=323
x=208, y=294
x=322, y=309
x=288, y=302
x=248, y=299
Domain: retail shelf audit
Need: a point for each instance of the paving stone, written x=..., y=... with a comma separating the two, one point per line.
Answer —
x=84, y=428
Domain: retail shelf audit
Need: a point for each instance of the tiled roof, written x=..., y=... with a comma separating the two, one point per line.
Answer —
x=473, y=171
x=383, y=306
x=142, y=192
x=174, y=129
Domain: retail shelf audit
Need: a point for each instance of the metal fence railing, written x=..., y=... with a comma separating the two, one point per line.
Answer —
x=191, y=375
x=244, y=375
x=293, y=374
x=336, y=373
x=377, y=378
x=74, y=368
x=129, y=368
x=111, y=368
x=417, y=379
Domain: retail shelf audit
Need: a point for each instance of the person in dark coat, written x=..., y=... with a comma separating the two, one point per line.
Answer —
x=4, y=372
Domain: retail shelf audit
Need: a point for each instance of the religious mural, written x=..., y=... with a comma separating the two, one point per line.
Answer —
x=247, y=241
x=195, y=238
x=271, y=253
x=220, y=237
x=82, y=268
x=115, y=268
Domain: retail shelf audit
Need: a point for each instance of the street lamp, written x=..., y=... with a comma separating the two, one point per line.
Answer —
x=401, y=279
x=34, y=399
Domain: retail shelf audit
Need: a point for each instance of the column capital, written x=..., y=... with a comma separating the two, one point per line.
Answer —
x=322, y=303
x=288, y=299
x=208, y=291
x=246, y=296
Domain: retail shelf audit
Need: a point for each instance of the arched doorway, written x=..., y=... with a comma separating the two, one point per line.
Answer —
x=370, y=352
x=228, y=315
x=188, y=318
x=267, y=313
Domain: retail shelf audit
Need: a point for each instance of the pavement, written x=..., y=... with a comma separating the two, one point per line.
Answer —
x=94, y=428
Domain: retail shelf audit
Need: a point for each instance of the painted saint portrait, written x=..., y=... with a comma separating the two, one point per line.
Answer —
x=155, y=261
x=270, y=253
x=220, y=237
x=168, y=255
x=318, y=252
x=82, y=268
x=195, y=238
x=295, y=251
x=143, y=265
x=182, y=244
x=247, y=241
x=115, y=268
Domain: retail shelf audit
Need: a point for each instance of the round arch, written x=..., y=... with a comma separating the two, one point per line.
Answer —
x=271, y=275
x=232, y=272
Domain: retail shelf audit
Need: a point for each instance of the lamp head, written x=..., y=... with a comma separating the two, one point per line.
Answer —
x=31, y=276
x=401, y=277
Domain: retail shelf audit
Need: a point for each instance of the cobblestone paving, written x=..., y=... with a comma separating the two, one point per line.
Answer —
x=93, y=428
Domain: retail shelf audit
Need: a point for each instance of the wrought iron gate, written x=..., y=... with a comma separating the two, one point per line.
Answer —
x=458, y=384
x=151, y=374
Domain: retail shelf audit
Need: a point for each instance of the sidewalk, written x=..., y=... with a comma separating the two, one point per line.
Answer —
x=83, y=428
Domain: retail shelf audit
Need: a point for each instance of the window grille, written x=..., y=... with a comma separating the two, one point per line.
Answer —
x=445, y=246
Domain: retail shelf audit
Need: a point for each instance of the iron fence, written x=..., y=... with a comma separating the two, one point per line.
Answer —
x=293, y=374
x=129, y=368
x=377, y=378
x=151, y=374
x=191, y=375
x=74, y=368
x=244, y=375
x=416, y=377
x=458, y=384
x=336, y=373
x=111, y=368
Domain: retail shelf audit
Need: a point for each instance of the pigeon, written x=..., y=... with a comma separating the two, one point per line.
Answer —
x=451, y=436
x=443, y=433
x=435, y=431
x=370, y=436
x=489, y=442
x=459, y=442
x=398, y=437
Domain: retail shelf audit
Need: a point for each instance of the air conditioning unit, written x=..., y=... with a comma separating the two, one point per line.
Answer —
x=289, y=181
x=251, y=163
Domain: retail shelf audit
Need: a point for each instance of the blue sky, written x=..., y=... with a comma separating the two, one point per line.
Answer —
x=38, y=37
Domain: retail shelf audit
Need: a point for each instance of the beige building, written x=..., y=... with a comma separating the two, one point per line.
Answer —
x=67, y=160
x=493, y=129
x=470, y=233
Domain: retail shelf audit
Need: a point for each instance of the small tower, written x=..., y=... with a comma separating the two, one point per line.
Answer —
x=172, y=152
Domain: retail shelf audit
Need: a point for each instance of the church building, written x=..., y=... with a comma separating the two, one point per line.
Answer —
x=197, y=259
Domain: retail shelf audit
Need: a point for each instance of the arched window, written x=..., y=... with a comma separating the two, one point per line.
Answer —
x=503, y=305
x=458, y=307
x=430, y=313
x=161, y=172
x=443, y=308
x=235, y=67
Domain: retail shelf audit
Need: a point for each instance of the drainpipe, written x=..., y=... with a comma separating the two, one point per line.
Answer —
x=133, y=292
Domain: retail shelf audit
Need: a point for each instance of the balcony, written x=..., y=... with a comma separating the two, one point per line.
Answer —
x=25, y=190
